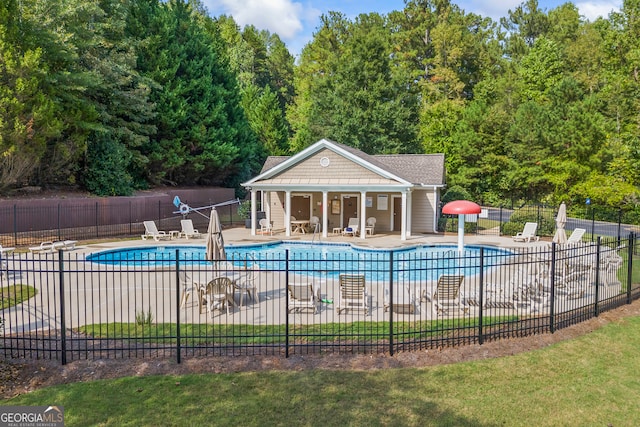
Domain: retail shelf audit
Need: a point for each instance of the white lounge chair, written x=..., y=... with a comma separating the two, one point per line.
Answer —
x=528, y=233
x=65, y=244
x=188, y=230
x=404, y=300
x=152, y=231
x=352, y=228
x=4, y=250
x=353, y=293
x=447, y=294
x=576, y=235
x=42, y=248
x=49, y=246
x=303, y=296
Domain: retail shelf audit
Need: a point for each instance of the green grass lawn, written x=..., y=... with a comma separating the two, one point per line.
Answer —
x=15, y=294
x=276, y=334
x=589, y=381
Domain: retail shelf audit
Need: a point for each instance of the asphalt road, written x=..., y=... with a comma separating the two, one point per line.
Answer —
x=598, y=228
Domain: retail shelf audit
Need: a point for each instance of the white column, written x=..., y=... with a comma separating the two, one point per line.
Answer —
x=325, y=213
x=254, y=211
x=409, y=212
x=266, y=204
x=403, y=219
x=287, y=213
x=436, y=204
x=363, y=214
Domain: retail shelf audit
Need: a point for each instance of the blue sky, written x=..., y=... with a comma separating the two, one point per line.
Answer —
x=296, y=20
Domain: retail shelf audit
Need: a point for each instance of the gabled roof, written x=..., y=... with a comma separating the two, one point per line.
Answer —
x=417, y=169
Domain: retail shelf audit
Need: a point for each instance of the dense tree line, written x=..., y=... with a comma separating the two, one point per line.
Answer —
x=115, y=95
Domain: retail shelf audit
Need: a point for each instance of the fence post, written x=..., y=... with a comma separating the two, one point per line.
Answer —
x=552, y=327
x=390, y=303
x=593, y=222
x=63, y=323
x=178, y=301
x=630, y=266
x=501, y=224
x=595, y=308
x=130, y=219
x=59, y=232
x=538, y=214
x=97, y=229
x=15, y=225
x=481, y=302
x=286, y=306
x=619, y=225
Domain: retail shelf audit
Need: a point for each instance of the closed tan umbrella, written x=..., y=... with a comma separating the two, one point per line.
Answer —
x=561, y=220
x=215, y=242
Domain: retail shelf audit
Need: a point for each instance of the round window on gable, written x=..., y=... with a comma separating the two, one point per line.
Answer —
x=324, y=162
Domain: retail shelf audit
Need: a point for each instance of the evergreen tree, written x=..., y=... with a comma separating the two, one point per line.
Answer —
x=203, y=136
x=122, y=101
x=312, y=76
x=29, y=116
x=265, y=117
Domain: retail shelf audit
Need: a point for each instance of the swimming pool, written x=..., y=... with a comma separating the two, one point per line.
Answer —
x=424, y=262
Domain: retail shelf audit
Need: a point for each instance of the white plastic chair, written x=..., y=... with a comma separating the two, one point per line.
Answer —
x=265, y=227
x=371, y=225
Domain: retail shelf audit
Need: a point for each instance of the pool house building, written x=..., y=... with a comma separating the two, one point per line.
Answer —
x=338, y=184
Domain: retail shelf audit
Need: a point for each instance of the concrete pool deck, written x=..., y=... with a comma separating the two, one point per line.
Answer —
x=107, y=294
x=242, y=236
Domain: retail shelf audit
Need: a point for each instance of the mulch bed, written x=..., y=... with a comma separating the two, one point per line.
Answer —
x=19, y=376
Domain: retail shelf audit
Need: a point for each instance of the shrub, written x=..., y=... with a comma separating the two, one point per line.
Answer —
x=106, y=171
x=143, y=318
x=244, y=210
x=449, y=223
x=545, y=217
x=455, y=193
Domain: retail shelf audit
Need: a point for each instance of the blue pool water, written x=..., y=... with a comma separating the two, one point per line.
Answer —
x=425, y=262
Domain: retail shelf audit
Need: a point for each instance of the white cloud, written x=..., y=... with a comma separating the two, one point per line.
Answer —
x=589, y=9
x=494, y=10
x=287, y=18
x=592, y=10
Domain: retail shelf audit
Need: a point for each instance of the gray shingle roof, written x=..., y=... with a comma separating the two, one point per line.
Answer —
x=272, y=162
x=415, y=168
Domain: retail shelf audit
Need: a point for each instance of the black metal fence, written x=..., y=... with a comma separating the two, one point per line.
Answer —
x=500, y=221
x=30, y=224
x=299, y=299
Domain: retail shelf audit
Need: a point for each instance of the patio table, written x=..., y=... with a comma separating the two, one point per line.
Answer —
x=300, y=226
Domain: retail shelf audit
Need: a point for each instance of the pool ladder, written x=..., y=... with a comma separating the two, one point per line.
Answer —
x=316, y=231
